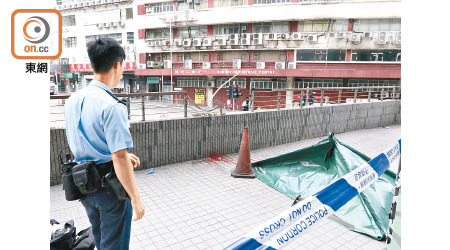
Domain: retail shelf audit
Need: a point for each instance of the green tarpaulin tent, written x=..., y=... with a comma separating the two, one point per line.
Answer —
x=306, y=171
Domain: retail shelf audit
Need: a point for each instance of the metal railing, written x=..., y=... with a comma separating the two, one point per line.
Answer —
x=141, y=106
x=151, y=106
x=302, y=97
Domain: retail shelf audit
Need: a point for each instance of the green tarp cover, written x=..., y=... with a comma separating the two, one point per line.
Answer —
x=306, y=171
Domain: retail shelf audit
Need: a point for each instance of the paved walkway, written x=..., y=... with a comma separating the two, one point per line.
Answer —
x=198, y=205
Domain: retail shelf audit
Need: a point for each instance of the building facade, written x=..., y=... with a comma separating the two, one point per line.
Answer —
x=197, y=45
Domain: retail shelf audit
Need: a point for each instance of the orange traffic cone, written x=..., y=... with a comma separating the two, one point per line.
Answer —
x=243, y=167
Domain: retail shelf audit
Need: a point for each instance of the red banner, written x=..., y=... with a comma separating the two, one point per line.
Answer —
x=86, y=67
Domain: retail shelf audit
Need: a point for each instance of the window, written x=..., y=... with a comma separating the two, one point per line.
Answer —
x=228, y=3
x=262, y=28
x=225, y=29
x=237, y=80
x=203, y=4
x=191, y=82
x=130, y=37
x=340, y=25
x=373, y=83
x=268, y=83
x=219, y=56
x=70, y=42
x=68, y=20
x=157, y=33
x=278, y=27
x=270, y=1
x=255, y=55
x=315, y=26
x=129, y=13
x=317, y=83
x=184, y=5
x=332, y=55
x=159, y=7
x=187, y=32
x=376, y=55
x=116, y=36
x=364, y=25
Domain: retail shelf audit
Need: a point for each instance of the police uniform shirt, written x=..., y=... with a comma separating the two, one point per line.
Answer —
x=96, y=124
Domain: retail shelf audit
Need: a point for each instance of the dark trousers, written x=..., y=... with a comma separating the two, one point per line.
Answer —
x=110, y=219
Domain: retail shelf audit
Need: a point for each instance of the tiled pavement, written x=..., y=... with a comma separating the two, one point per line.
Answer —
x=198, y=205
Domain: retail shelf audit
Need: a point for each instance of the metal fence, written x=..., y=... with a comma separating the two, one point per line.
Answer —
x=153, y=106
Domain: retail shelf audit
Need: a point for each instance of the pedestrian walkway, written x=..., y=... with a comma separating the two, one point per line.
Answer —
x=198, y=205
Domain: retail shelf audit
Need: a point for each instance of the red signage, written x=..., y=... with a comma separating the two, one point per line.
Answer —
x=86, y=67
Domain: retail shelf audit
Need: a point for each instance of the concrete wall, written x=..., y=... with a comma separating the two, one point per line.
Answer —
x=164, y=142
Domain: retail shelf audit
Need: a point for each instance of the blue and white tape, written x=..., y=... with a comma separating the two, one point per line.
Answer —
x=282, y=229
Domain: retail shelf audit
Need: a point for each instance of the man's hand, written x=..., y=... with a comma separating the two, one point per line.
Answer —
x=138, y=208
x=135, y=162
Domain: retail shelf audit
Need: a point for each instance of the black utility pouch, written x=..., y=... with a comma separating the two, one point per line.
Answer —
x=86, y=177
x=70, y=190
x=116, y=186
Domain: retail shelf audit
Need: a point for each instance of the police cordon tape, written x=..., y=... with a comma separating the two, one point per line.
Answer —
x=282, y=229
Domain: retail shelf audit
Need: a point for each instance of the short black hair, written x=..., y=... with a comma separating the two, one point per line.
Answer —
x=104, y=53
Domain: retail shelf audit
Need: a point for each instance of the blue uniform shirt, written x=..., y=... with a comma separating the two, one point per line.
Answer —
x=96, y=124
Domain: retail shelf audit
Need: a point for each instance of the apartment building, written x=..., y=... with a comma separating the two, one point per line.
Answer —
x=197, y=45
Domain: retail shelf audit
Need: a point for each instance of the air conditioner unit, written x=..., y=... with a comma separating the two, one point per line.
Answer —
x=207, y=42
x=391, y=37
x=236, y=63
x=260, y=65
x=367, y=35
x=340, y=35
x=158, y=43
x=258, y=41
x=80, y=5
x=122, y=23
x=245, y=35
x=206, y=65
x=279, y=65
x=234, y=36
x=167, y=64
x=312, y=38
x=114, y=24
x=74, y=6
x=197, y=42
x=245, y=41
x=128, y=48
x=87, y=4
x=110, y=1
x=100, y=25
x=380, y=38
x=398, y=39
x=222, y=41
x=59, y=7
x=149, y=10
x=150, y=64
x=283, y=36
x=187, y=42
x=292, y=65
x=178, y=42
x=64, y=7
x=355, y=37
x=331, y=34
x=210, y=84
x=296, y=36
x=272, y=36
x=187, y=64
x=234, y=41
x=165, y=43
x=105, y=25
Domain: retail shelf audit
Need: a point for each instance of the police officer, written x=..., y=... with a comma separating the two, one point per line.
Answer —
x=97, y=129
